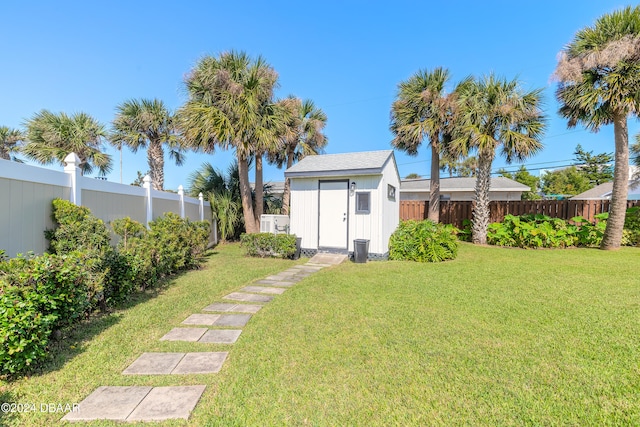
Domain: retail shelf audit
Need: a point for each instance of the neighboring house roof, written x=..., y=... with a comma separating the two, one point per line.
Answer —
x=603, y=191
x=461, y=184
x=363, y=163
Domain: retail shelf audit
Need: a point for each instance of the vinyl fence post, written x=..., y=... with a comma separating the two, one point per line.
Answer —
x=72, y=168
x=201, y=206
x=146, y=183
x=181, y=194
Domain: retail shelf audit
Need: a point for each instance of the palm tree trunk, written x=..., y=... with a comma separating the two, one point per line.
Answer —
x=434, y=184
x=245, y=195
x=286, y=195
x=615, y=223
x=155, y=157
x=259, y=191
x=481, y=212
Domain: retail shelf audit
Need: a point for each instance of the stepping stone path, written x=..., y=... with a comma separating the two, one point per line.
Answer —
x=163, y=403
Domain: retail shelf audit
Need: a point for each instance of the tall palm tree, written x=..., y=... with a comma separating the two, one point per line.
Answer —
x=226, y=101
x=303, y=136
x=423, y=110
x=51, y=137
x=599, y=84
x=9, y=143
x=496, y=113
x=147, y=124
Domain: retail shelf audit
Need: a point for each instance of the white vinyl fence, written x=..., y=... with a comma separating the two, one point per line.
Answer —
x=26, y=193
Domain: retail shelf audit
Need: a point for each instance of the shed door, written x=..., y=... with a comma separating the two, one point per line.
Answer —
x=333, y=222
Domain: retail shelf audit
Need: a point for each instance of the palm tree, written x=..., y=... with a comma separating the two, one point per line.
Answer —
x=303, y=136
x=223, y=193
x=147, y=124
x=226, y=101
x=635, y=156
x=496, y=113
x=51, y=137
x=423, y=110
x=9, y=140
x=598, y=77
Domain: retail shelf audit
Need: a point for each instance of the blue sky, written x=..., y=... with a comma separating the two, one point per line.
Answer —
x=347, y=56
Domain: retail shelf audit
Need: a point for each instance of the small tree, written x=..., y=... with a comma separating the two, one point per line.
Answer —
x=523, y=176
x=596, y=168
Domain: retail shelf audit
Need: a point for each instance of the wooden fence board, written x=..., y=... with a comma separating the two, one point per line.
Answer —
x=457, y=211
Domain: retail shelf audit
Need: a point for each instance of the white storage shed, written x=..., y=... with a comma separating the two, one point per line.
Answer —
x=337, y=198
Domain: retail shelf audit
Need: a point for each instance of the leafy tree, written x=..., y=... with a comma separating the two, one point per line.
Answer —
x=303, y=136
x=228, y=99
x=51, y=137
x=597, y=168
x=10, y=140
x=496, y=114
x=598, y=77
x=458, y=166
x=413, y=176
x=148, y=124
x=566, y=182
x=423, y=110
x=523, y=176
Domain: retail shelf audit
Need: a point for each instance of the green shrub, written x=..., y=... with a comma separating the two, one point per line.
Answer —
x=269, y=245
x=423, y=241
x=38, y=295
x=631, y=234
x=80, y=232
x=541, y=231
x=24, y=330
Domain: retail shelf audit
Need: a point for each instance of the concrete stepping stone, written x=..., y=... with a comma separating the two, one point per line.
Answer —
x=177, y=363
x=184, y=334
x=266, y=282
x=237, y=308
x=284, y=284
x=201, y=363
x=109, y=403
x=263, y=290
x=275, y=278
x=236, y=320
x=166, y=403
x=154, y=364
x=201, y=319
x=221, y=336
x=239, y=296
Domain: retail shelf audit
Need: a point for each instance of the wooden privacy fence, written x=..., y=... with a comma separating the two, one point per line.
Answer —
x=456, y=212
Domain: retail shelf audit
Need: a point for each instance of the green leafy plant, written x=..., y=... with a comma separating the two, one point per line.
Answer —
x=269, y=245
x=631, y=232
x=423, y=241
x=542, y=231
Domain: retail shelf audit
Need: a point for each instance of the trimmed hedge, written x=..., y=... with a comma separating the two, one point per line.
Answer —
x=43, y=294
x=423, y=241
x=269, y=245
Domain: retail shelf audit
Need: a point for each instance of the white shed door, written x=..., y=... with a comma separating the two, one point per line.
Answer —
x=333, y=219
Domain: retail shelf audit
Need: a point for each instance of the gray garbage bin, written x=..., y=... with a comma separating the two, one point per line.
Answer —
x=360, y=250
x=296, y=255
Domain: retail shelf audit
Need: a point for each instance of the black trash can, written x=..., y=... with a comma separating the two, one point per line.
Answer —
x=360, y=250
x=296, y=255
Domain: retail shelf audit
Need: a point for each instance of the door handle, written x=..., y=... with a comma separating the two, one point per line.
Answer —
x=344, y=216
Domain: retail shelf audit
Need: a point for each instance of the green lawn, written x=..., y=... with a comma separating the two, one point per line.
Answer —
x=496, y=337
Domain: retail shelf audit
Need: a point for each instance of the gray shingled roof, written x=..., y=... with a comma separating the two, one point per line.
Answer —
x=499, y=183
x=364, y=163
x=603, y=191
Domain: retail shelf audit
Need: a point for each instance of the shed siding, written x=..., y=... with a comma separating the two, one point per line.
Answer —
x=303, y=221
x=391, y=208
x=365, y=226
